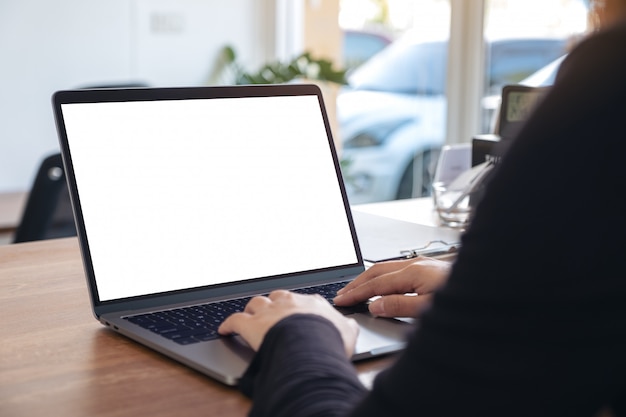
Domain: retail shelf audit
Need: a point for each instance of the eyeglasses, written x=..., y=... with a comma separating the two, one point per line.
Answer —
x=432, y=248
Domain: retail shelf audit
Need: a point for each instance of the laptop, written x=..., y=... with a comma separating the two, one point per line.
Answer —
x=189, y=201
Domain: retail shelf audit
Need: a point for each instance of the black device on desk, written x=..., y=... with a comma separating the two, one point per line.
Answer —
x=518, y=101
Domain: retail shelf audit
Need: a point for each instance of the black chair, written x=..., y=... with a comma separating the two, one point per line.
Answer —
x=48, y=212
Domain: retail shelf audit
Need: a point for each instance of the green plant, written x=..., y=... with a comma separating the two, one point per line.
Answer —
x=303, y=66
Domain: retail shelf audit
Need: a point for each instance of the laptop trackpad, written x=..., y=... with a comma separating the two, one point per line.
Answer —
x=379, y=336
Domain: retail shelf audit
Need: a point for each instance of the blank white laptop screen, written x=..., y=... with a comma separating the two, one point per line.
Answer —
x=179, y=194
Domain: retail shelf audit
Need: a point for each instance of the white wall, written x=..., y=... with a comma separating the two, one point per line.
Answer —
x=50, y=45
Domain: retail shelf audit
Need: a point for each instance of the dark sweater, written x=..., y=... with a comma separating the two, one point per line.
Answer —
x=532, y=321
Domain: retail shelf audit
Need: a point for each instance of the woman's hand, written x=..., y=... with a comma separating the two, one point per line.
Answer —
x=404, y=286
x=262, y=313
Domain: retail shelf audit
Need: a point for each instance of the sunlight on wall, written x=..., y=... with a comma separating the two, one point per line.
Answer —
x=504, y=18
x=511, y=18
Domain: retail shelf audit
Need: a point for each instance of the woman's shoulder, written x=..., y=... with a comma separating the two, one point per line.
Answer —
x=599, y=57
x=609, y=44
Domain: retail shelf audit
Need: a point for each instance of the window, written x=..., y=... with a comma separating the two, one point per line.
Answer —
x=392, y=116
x=540, y=33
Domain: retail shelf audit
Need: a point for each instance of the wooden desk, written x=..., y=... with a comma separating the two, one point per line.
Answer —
x=56, y=359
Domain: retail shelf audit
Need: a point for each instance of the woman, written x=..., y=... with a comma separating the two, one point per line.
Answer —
x=530, y=319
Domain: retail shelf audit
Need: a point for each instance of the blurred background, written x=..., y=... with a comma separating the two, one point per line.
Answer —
x=418, y=73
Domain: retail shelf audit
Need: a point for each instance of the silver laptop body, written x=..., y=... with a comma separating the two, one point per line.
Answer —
x=188, y=196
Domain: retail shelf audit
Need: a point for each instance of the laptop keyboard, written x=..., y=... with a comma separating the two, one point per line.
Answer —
x=199, y=323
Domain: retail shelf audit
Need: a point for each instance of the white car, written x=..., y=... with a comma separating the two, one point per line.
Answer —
x=392, y=115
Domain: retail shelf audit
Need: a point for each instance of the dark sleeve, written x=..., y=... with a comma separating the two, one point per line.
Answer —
x=301, y=369
x=532, y=321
